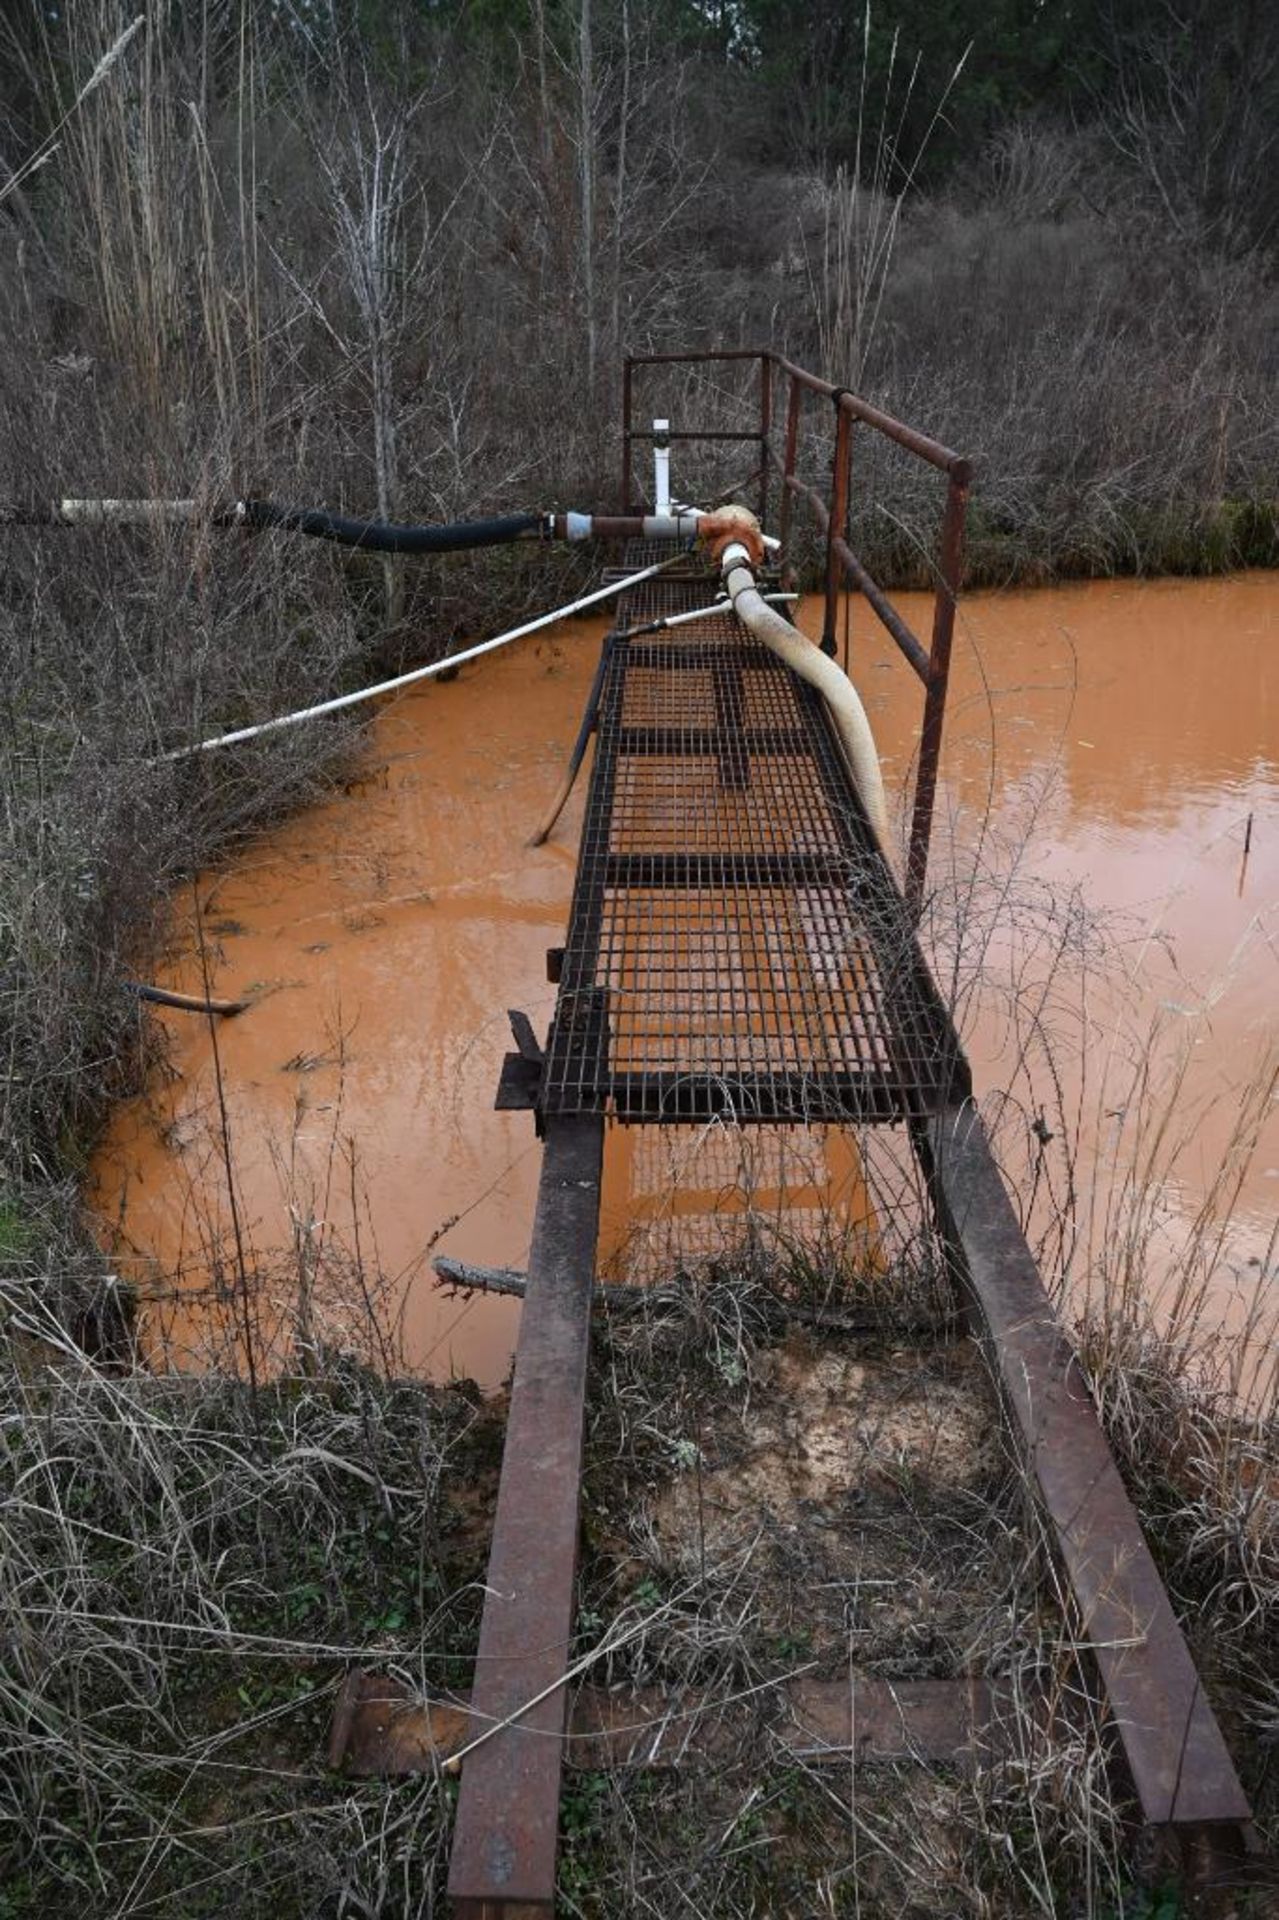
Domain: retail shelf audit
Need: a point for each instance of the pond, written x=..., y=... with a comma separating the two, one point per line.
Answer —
x=1106, y=875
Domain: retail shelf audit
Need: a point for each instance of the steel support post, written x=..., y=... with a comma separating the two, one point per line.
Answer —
x=1182, y=1774
x=504, y=1842
x=835, y=526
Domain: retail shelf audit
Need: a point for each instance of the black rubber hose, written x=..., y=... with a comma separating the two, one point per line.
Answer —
x=378, y=536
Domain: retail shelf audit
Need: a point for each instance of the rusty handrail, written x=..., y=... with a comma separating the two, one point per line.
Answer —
x=932, y=664
x=867, y=586
x=915, y=442
x=909, y=437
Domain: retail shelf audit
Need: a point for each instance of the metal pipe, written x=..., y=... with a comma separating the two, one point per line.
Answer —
x=683, y=523
x=698, y=433
x=699, y=357
x=909, y=437
x=884, y=609
x=185, y=1002
x=919, y=443
x=447, y=665
x=715, y=612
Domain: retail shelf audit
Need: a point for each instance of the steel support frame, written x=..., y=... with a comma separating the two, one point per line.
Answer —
x=507, y=1828
x=1184, y=1781
x=1191, y=1804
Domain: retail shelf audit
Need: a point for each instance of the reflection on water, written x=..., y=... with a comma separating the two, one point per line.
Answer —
x=1113, y=737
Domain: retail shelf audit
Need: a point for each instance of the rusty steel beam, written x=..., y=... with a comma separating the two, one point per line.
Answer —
x=506, y=1832
x=1181, y=1772
x=699, y=356
x=795, y=485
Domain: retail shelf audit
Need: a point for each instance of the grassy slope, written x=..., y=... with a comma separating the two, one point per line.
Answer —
x=188, y=1574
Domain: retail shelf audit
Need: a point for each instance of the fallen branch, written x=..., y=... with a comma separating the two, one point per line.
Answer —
x=620, y=1297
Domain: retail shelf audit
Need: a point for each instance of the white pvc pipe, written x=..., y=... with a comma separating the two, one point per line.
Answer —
x=125, y=513
x=720, y=608
x=418, y=673
x=811, y=664
x=681, y=523
x=661, y=468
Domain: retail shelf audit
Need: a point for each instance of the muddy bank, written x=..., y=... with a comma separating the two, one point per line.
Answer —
x=1117, y=737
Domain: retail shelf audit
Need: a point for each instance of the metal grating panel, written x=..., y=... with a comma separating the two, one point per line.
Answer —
x=736, y=945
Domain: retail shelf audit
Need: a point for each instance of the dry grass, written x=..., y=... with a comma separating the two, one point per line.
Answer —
x=190, y=1566
x=188, y=1571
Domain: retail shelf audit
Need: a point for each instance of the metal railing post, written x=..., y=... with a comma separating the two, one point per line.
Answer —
x=835, y=527
x=626, y=434
x=951, y=567
x=794, y=401
x=765, y=430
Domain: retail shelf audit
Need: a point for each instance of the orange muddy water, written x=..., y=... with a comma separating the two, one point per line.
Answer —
x=1115, y=739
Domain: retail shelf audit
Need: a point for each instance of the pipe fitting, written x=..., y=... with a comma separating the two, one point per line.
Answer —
x=718, y=530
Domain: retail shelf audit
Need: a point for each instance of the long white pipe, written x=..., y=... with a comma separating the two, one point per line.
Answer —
x=418, y=673
x=811, y=664
x=681, y=523
x=98, y=513
x=720, y=608
x=674, y=523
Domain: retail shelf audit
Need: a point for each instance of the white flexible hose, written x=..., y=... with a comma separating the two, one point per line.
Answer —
x=811, y=664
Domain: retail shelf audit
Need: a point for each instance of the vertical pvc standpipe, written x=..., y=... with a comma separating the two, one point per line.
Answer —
x=951, y=567
x=661, y=467
x=836, y=524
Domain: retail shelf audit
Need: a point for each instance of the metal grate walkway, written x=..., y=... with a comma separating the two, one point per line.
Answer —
x=736, y=945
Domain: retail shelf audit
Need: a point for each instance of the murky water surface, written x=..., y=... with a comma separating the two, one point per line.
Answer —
x=1112, y=738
